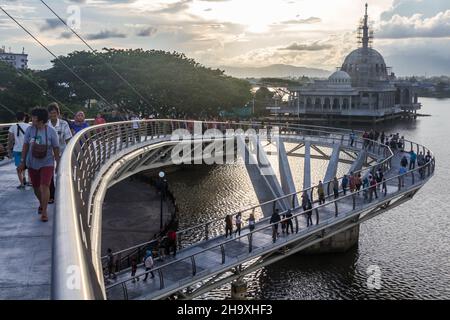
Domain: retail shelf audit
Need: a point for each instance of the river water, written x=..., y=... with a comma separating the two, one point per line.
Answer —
x=409, y=244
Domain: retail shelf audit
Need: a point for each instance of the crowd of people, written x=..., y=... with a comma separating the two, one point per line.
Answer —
x=372, y=185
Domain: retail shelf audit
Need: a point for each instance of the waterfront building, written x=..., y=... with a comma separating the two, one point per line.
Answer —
x=17, y=60
x=363, y=87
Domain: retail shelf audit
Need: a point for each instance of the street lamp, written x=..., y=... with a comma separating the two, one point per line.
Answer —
x=163, y=187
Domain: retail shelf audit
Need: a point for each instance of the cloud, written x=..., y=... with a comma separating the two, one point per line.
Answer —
x=146, y=32
x=315, y=46
x=105, y=34
x=51, y=24
x=66, y=35
x=415, y=26
x=309, y=20
x=408, y=8
x=175, y=7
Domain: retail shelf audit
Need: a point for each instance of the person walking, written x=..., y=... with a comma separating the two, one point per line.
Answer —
x=79, y=122
x=321, y=193
x=289, y=223
x=99, y=119
x=306, y=205
x=336, y=187
x=274, y=220
x=382, y=138
x=228, y=225
x=134, y=270
x=172, y=238
x=136, y=126
x=404, y=162
x=344, y=184
x=352, y=182
x=238, y=221
x=161, y=247
x=16, y=135
x=358, y=183
x=110, y=264
x=148, y=263
x=352, y=138
x=373, y=189
x=379, y=177
x=62, y=128
x=366, y=185
x=39, y=154
x=384, y=187
x=251, y=222
x=401, y=178
x=412, y=160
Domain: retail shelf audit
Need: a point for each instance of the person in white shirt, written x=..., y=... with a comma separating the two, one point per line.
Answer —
x=135, y=124
x=15, y=143
x=62, y=128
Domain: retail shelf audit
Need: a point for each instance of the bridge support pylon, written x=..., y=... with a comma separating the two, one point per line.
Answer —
x=339, y=243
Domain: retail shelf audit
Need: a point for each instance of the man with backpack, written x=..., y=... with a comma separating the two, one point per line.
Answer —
x=15, y=143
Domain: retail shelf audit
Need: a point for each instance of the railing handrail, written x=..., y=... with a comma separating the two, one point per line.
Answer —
x=201, y=225
x=351, y=194
x=76, y=236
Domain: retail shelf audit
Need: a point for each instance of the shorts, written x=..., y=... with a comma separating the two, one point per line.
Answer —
x=41, y=177
x=17, y=158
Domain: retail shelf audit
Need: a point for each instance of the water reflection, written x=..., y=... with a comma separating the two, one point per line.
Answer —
x=409, y=243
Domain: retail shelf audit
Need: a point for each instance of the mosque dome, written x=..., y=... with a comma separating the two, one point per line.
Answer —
x=340, y=77
x=365, y=65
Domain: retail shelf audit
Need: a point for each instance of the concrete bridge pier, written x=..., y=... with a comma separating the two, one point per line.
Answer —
x=239, y=290
x=339, y=243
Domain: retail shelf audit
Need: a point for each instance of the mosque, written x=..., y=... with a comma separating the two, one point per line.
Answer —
x=364, y=87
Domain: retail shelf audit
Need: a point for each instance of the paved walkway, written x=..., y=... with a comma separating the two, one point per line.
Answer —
x=25, y=242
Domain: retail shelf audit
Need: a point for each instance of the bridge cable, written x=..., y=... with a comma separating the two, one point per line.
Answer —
x=98, y=55
x=45, y=91
x=57, y=58
x=7, y=109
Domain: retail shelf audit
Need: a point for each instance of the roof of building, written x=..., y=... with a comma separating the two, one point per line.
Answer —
x=340, y=75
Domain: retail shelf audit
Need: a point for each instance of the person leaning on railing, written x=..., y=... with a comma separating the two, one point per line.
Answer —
x=39, y=153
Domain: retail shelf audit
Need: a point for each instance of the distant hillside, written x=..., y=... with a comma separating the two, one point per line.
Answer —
x=275, y=70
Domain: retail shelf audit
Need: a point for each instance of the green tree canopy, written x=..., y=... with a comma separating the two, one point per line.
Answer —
x=167, y=81
x=17, y=91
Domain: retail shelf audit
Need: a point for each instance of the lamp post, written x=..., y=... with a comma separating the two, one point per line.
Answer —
x=163, y=190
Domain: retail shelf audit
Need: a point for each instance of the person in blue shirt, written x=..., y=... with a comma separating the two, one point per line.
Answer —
x=79, y=123
x=412, y=160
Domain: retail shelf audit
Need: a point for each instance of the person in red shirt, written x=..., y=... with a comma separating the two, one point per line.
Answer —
x=99, y=119
x=172, y=236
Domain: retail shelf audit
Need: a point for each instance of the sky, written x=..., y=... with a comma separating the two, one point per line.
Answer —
x=412, y=35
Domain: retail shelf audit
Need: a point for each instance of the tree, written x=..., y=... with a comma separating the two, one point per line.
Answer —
x=17, y=91
x=263, y=99
x=170, y=83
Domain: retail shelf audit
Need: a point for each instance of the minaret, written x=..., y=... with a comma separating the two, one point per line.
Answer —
x=365, y=39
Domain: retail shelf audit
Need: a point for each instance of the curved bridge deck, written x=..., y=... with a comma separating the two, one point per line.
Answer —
x=27, y=245
x=205, y=259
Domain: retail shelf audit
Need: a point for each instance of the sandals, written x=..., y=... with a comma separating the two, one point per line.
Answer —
x=44, y=218
x=51, y=201
x=39, y=210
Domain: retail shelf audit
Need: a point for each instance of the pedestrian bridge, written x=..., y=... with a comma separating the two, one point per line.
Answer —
x=102, y=156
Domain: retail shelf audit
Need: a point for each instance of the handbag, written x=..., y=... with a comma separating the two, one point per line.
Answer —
x=39, y=151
